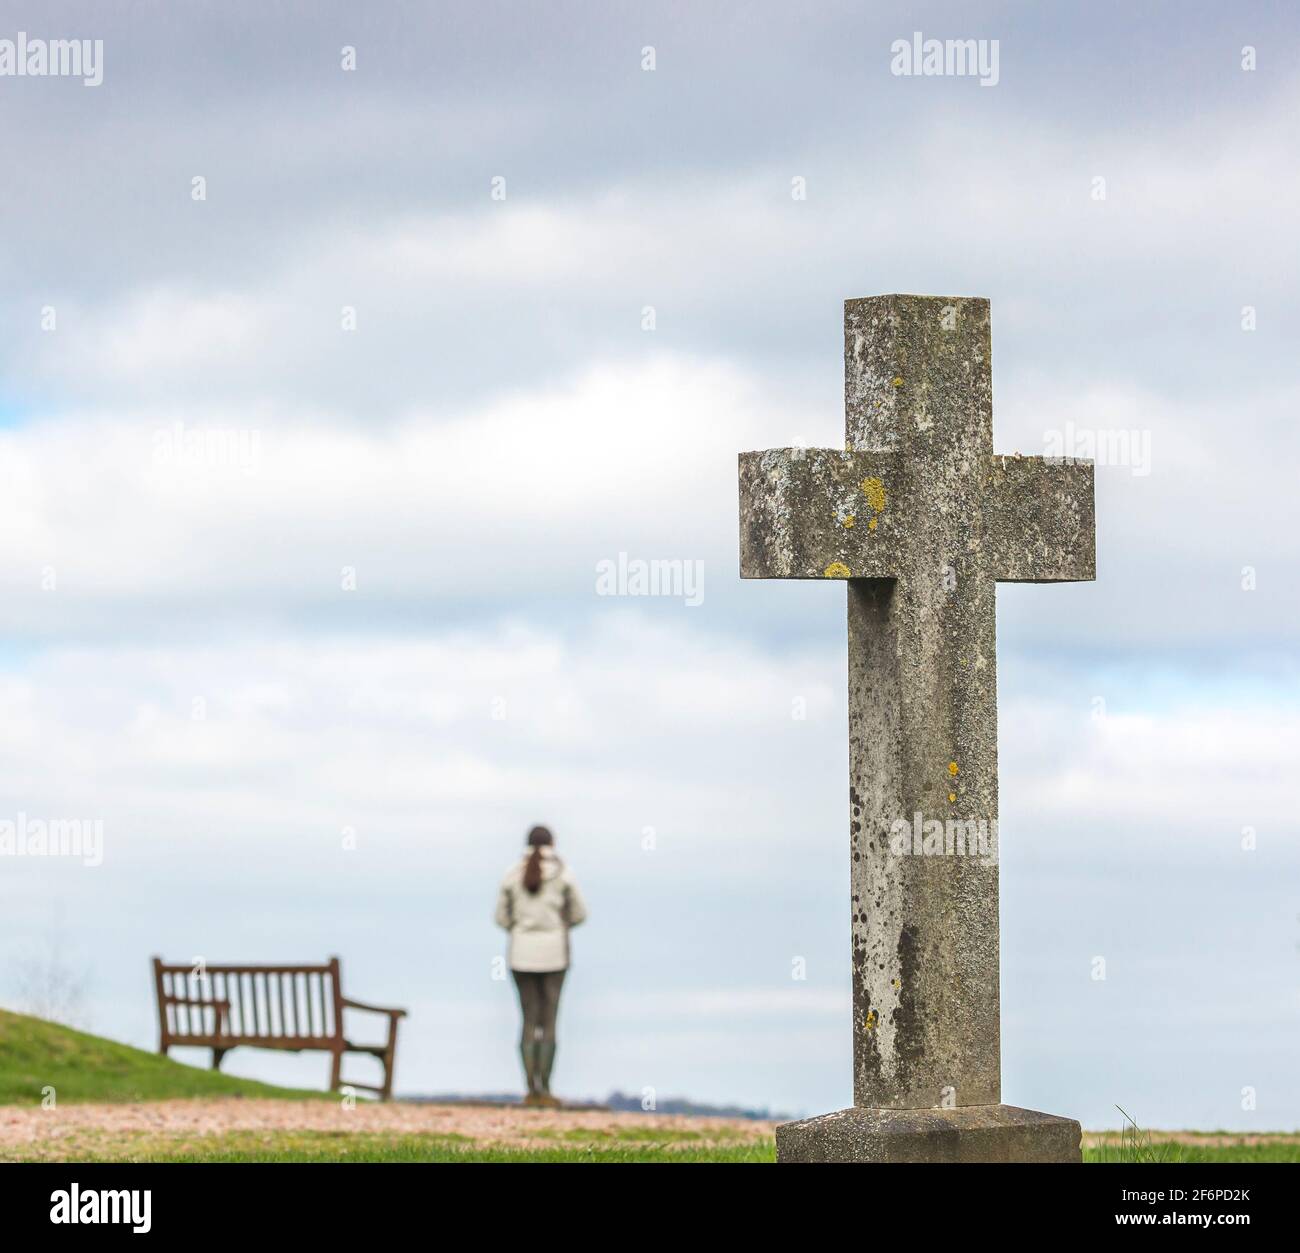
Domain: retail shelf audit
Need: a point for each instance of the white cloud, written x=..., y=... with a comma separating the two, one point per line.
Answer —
x=453, y=295
x=1193, y=773
x=507, y=500
x=398, y=734
x=221, y=516
x=169, y=334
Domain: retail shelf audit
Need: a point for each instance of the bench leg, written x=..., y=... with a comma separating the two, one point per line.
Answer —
x=217, y=1055
x=336, y=1070
x=390, y=1055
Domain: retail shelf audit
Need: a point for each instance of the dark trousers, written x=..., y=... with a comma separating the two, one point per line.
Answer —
x=539, y=998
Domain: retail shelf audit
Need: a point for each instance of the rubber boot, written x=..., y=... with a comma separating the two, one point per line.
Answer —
x=528, y=1052
x=545, y=1061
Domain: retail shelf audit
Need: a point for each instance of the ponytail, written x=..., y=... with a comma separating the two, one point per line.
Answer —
x=533, y=872
x=538, y=838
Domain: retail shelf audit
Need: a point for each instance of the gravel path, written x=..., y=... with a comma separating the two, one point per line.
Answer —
x=25, y=1128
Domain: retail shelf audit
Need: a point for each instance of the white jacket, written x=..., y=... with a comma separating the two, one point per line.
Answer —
x=539, y=924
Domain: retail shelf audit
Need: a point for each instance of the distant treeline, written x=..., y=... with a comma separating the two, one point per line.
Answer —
x=619, y=1101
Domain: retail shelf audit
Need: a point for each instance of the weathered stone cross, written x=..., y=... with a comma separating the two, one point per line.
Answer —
x=922, y=519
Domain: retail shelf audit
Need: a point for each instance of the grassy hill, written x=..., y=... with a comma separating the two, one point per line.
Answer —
x=35, y=1054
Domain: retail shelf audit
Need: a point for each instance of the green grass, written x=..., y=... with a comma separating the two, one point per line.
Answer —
x=1142, y=1147
x=35, y=1054
x=637, y=1135
x=350, y=1146
x=346, y=1146
x=1274, y=1151
x=1137, y=1146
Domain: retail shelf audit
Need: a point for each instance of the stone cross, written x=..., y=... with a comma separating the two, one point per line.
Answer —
x=921, y=519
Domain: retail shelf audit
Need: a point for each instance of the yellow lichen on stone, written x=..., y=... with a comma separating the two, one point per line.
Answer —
x=870, y=1022
x=898, y=382
x=952, y=767
x=871, y=526
x=848, y=521
x=896, y=983
x=874, y=490
x=837, y=570
x=952, y=797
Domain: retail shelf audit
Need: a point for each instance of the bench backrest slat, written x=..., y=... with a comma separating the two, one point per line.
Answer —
x=279, y=1000
x=289, y=1003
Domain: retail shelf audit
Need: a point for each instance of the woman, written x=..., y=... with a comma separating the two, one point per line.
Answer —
x=538, y=903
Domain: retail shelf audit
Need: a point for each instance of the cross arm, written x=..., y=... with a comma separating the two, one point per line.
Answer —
x=814, y=513
x=1042, y=523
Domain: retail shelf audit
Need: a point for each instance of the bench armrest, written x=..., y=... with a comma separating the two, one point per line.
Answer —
x=374, y=1009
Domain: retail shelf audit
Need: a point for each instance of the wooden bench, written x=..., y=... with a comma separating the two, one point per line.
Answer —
x=270, y=1007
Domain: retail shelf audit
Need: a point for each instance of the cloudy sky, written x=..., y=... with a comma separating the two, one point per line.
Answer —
x=306, y=469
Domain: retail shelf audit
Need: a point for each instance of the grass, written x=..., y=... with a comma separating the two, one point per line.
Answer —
x=1236, y=1151
x=569, y=1146
x=637, y=1135
x=35, y=1055
x=1132, y=1144
x=346, y=1146
x=1136, y=1145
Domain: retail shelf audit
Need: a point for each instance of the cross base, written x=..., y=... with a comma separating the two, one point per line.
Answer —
x=972, y=1133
